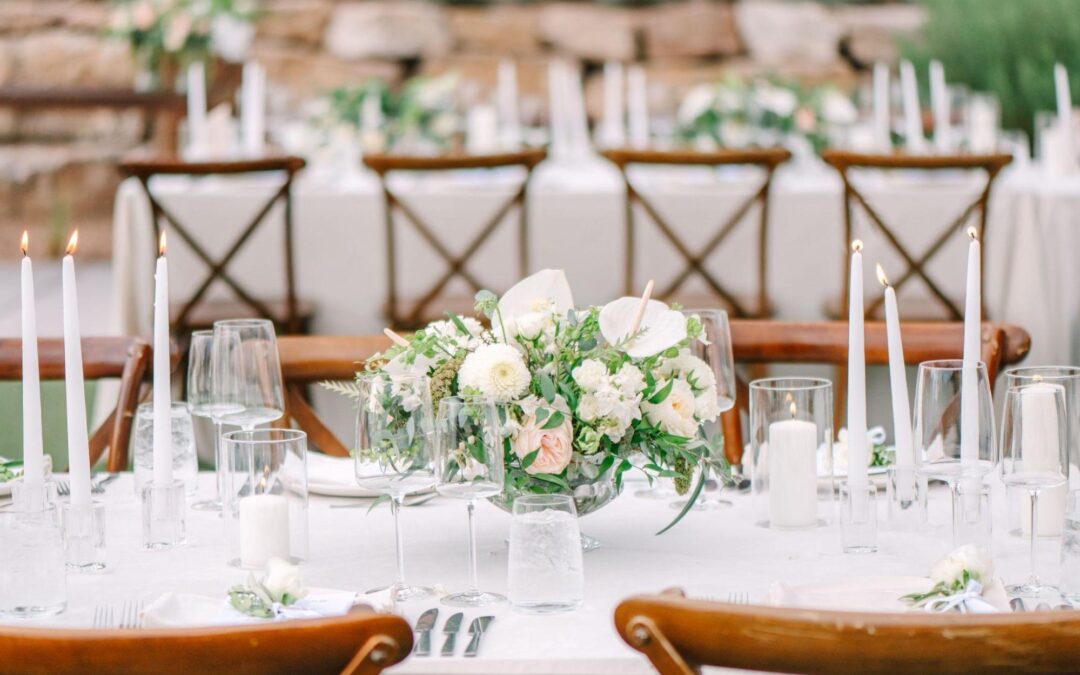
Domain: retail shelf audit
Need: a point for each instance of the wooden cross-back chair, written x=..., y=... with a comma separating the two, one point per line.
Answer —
x=679, y=636
x=766, y=159
x=846, y=162
x=759, y=343
x=128, y=359
x=290, y=314
x=414, y=314
x=359, y=643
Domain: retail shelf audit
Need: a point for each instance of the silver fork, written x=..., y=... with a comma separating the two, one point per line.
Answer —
x=130, y=618
x=103, y=616
x=742, y=598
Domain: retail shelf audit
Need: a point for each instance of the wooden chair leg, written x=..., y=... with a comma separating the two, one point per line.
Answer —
x=733, y=439
x=646, y=637
x=320, y=436
x=375, y=655
x=839, y=398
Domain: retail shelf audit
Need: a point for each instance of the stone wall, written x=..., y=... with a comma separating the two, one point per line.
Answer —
x=58, y=168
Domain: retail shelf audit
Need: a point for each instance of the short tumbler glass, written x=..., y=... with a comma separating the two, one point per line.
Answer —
x=546, y=573
x=1070, y=550
x=33, y=578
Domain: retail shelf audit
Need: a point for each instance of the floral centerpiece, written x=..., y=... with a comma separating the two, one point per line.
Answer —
x=583, y=389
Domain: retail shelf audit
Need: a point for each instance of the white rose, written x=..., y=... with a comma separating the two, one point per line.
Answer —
x=629, y=380
x=706, y=407
x=697, y=102
x=531, y=324
x=950, y=569
x=675, y=414
x=497, y=371
x=590, y=374
x=588, y=408
x=282, y=581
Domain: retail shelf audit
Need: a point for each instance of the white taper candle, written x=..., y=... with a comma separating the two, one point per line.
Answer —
x=162, y=376
x=858, y=455
x=75, y=391
x=33, y=453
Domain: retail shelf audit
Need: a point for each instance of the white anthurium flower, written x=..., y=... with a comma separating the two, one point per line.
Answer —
x=546, y=292
x=950, y=569
x=661, y=327
x=282, y=581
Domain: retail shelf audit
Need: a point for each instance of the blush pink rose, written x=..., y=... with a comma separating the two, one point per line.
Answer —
x=555, y=445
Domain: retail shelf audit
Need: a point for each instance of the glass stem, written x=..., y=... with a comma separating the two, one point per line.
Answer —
x=1034, y=494
x=219, y=468
x=474, y=586
x=395, y=510
x=954, y=491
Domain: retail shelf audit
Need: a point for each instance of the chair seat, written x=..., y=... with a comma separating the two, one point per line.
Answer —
x=436, y=310
x=704, y=299
x=204, y=314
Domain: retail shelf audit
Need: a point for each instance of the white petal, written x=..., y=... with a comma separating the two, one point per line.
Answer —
x=661, y=327
x=546, y=286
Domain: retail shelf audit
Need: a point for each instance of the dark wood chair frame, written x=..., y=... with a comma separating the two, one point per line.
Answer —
x=128, y=359
x=767, y=159
x=844, y=162
x=144, y=171
x=456, y=264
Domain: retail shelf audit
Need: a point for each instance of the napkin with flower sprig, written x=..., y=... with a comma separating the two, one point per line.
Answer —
x=278, y=595
x=962, y=581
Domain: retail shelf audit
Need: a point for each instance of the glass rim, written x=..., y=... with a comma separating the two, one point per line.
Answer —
x=539, y=500
x=703, y=310
x=173, y=405
x=370, y=375
x=775, y=384
x=948, y=365
x=203, y=332
x=242, y=323
x=1065, y=372
x=263, y=436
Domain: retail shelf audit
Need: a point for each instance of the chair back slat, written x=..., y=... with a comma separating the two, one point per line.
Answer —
x=766, y=159
x=417, y=312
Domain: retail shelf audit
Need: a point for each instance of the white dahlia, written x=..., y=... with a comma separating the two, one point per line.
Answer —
x=497, y=371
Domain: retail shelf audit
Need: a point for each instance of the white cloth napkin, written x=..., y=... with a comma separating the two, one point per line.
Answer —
x=326, y=470
x=868, y=594
x=175, y=610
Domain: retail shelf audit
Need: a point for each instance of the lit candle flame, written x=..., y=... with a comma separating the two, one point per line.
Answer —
x=24, y=243
x=161, y=244
x=856, y=245
x=73, y=243
x=793, y=409
x=973, y=233
x=881, y=276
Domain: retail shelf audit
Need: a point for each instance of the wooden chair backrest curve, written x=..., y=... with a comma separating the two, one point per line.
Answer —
x=766, y=159
x=128, y=359
x=845, y=162
x=456, y=264
x=217, y=268
x=679, y=636
x=764, y=342
x=359, y=643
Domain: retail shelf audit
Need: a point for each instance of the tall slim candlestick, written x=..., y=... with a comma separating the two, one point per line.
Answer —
x=1064, y=111
x=969, y=383
x=939, y=102
x=162, y=377
x=882, y=109
x=509, y=119
x=78, y=440
x=858, y=456
x=637, y=98
x=905, y=450
x=613, y=130
x=909, y=89
x=33, y=454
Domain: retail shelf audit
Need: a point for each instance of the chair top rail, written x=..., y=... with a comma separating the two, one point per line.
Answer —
x=843, y=160
x=102, y=356
x=30, y=97
x=165, y=166
x=769, y=157
x=324, y=357
x=383, y=163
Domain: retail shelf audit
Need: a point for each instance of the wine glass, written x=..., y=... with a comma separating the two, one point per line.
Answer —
x=1034, y=457
x=246, y=373
x=469, y=465
x=394, y=432
x=942, y=452
x=715, y=351
x=201, y=398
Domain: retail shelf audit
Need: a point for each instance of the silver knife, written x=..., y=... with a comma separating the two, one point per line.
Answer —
x=453, y=625
x=476, y=629
x=423, y=629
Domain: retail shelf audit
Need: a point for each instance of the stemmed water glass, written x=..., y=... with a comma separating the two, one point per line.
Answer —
x=941, y=450
x=201, y=395
x=1034, y=456
x=715, y=350
x=469, y=465
x=394, y=441
x=246, y=373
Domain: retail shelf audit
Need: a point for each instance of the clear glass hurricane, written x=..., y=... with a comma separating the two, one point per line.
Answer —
x=394, y=450
x=201, y=396
x=469, y=466
x=1034, y=459
x=247, y=383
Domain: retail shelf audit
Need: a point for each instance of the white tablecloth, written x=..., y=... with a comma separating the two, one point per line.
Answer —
x=710, y=554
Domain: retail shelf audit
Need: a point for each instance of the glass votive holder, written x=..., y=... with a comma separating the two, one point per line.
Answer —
x=906, y=493
x=265, y=497
x=185, y=463
x=83, y=529
x=972, y=515
x=791, y=458
x=545, y=569
x=33, y=578
x=33, y=497
x=1070, y=550
x=858, y=518
x=163, y=515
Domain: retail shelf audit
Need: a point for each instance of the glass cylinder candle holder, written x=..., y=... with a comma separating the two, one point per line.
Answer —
x=83, y=528
x=906, y=493
x=972, y=515
x=858, y=518
x=791, y=457
x=163, y=515
x=33, y=579
x=265, y=498
x=36, y=497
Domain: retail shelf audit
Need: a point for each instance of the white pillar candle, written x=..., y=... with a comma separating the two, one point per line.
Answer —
x=507, y=100
x=939, y=102
x=909, y=90
x=162, y=376
x=858, y=456
x=196, y=107
x=1064, y=111
x=75, y=391
x=264, y=529
x=578, y=118
x=982, y=124
x=637, y=93
x=901, y=409
x=482, y=130
x=613, y=130
x=882, y=108
x=33, y=454
x=557, y=109
x=1040, y=440
x=253, y=109
x=969, y=391
x=792, y=473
